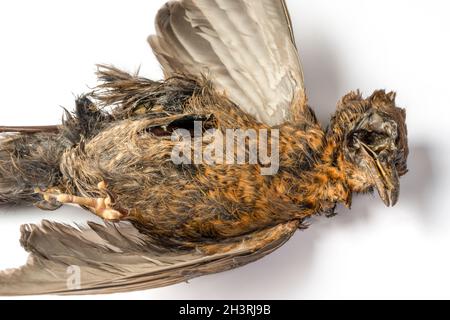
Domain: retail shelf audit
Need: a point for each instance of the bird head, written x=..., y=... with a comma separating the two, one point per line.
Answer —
x=371, y=135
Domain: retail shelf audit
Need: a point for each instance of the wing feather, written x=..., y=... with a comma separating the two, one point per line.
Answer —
x=246, y=47
x=118, y=258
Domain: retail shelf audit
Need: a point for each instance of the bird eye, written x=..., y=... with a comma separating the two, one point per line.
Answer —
x=369, y=138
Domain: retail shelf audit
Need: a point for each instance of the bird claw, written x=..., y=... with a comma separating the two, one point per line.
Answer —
x=331, y=211
x=48, y=205
x=102, y=207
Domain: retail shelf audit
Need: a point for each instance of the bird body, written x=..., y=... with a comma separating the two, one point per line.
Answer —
x=114, y=156
x=198, y=203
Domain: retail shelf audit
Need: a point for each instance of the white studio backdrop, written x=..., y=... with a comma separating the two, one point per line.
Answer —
x=48, y=52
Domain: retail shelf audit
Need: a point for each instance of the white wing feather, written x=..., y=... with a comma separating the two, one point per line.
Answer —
x=246, y=47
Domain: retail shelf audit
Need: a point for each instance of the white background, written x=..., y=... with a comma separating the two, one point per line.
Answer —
x=48, y=52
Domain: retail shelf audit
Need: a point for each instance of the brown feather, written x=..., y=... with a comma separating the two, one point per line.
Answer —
x=118, y=258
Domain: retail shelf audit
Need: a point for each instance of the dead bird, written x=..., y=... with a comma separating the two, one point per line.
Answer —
x=228, y=65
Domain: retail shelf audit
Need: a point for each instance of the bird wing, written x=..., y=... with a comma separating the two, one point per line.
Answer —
x=246, y=47
x=118, y=258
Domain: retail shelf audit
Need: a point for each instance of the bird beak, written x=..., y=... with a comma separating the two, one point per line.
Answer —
x=385, y=176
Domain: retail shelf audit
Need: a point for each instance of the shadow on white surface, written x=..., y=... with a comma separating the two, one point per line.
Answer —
x=417, y=185
x=322, y=72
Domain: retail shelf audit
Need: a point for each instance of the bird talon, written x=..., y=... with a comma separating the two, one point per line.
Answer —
x=48, y=205
x=102, y=186
x=49, y=195
x=102, y=207
x=330, y=212
x=111, y=215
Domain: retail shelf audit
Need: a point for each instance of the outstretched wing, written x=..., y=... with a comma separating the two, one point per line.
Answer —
x=118, y=258
x=246, y=47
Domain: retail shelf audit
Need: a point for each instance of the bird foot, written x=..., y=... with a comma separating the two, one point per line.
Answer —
x=102, y=207
x=330, y=211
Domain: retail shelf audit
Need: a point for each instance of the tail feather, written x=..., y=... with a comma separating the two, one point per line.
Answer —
x=28, y=161
x=29, y=129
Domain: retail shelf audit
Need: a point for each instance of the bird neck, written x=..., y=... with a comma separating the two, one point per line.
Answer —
x=324, y=184
x=330, y=184
x=342, y=176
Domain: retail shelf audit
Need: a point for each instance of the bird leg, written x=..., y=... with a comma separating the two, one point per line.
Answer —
x=102, y=207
